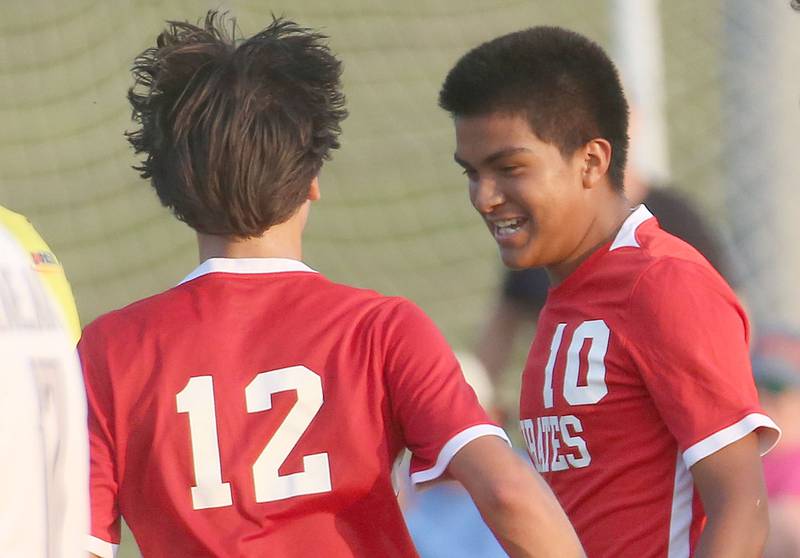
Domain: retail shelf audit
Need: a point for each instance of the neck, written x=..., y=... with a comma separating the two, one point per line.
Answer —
x=279, y=241
x=602, y=229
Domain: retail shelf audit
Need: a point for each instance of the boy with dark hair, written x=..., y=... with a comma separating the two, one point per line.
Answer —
x=637, y=404
x=257, y=408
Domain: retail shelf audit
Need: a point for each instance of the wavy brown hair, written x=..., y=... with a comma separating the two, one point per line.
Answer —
x=234, y=130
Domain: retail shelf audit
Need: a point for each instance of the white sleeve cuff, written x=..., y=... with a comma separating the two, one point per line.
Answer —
x=452, y=447
x=767, y=438
x=101, y=548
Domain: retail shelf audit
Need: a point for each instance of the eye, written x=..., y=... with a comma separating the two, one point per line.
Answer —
x=510, y=169
x=469, y=173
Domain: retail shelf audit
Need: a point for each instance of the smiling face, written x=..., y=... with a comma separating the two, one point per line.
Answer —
x=536, y=202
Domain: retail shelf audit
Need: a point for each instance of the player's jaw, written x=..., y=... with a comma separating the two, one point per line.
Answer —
x=516, y=238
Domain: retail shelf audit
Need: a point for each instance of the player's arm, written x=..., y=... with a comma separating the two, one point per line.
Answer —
x=104, y=536
x=514, y=501
x=731, y=486
x=448, y=432
x=693, y=356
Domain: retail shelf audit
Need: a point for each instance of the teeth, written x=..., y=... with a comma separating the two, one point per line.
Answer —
x=506, y=227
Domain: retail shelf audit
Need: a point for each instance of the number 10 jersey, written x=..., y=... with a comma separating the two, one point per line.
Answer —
x=257, y=409
x=639, y=369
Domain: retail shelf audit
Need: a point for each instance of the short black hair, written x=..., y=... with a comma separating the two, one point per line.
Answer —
x=234, y=130
x=564, y=84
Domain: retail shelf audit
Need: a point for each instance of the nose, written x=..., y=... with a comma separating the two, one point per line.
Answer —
x=485, y=195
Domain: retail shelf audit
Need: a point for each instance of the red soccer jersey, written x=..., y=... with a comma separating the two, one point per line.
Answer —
x=639, y=369
x=257, y=409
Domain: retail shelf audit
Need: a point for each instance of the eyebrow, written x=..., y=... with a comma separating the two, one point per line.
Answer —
x=506, y=152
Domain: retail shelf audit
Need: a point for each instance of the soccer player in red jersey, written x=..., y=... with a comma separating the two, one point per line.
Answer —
x=257, y=408
x=637, y=406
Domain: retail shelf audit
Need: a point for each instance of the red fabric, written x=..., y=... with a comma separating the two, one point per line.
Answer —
x=676, y=371
x=388, y=380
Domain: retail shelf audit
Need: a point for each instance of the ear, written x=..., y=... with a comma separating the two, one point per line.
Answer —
x=313, y=190
x=596, y=160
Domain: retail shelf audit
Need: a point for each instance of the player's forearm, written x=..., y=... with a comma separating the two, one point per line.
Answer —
x=528, y=522
x=514, y=501
x=739, y=530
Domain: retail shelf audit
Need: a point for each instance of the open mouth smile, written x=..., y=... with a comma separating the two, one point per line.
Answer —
x=506, y=228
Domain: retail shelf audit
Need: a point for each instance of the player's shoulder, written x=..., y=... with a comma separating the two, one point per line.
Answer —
x=176, y=305
x=376, y=305
x=12, y=220
x=672, y=275
x=23, y=231
x=371, y=312
x=671, y=262
x=15, y=228
x=647, y=252
x=122, y=322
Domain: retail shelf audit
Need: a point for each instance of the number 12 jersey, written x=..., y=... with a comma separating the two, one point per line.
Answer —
x=257, y=409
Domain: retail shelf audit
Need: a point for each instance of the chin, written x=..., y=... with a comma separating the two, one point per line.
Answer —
x=518, y=261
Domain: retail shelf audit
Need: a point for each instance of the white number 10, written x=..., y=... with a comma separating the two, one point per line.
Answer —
x=197, y=399
x=597, y=333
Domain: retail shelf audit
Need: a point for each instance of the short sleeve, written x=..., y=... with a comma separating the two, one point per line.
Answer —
x=104, y=535
x=434, y=406
x=688, y=336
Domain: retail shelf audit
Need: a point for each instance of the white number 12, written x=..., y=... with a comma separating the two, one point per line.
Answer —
x=197, y=399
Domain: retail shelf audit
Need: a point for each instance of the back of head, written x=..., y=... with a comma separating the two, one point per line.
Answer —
x=234, y=130
x=563, y=83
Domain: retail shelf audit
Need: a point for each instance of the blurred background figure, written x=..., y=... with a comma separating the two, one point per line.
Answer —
x=46, y=264
x=442, y=519
x=43, y=438
x=776, y=366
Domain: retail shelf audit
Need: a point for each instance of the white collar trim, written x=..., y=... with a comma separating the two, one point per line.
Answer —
x=627, y=233
x=247, y=265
